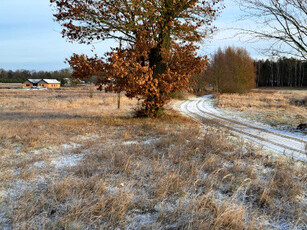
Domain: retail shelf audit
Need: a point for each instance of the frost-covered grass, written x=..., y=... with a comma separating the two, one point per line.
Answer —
x=108, y=171
x=281, y=108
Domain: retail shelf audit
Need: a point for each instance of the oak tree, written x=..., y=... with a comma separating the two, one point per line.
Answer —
x=159, y=55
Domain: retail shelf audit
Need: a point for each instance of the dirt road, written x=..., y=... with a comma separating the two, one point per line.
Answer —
x=290, y=144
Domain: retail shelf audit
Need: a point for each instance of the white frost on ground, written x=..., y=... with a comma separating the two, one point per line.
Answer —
x=209, y=102
x=70, y=145
x=279, y=141
x=5, y=223
x=16, y=148
x=150, y=141
x=281, y=225
x=47, y=150
x=11, y=194
x=67, y=161
x=164, y=207
x=39, y=164
x=87, y=137
x=130, y=143
x=19, y=187
x=146, y=142
x=140, y=220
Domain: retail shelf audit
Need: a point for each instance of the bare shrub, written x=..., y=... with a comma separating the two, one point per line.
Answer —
x=231, y=71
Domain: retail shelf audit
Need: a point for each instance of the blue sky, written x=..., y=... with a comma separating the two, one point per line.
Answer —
x=30, y=39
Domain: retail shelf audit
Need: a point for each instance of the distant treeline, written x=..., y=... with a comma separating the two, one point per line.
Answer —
x=19, y=76
x=285, y=72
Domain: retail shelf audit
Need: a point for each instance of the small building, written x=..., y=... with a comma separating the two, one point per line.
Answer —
x=49, y=83
x=42, y=83
x=30, y=83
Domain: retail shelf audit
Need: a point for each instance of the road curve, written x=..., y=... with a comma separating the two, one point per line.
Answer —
x=281, y=142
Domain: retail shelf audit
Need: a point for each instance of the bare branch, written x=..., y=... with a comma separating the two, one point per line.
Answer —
x=283, y=21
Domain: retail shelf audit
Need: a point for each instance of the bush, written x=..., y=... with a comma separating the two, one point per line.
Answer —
x=231, y=71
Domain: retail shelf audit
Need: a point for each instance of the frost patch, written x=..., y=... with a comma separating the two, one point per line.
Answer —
x=150, y=141
x=165, y=207
x=5, y=223
x=68, y=161
x=17, y=148
x=282, y=225
x=115, y=190
x=39, y=164
x=146, y=142
x=42, y=151
x=130, y=143
x=71, y=145
x=138, y=221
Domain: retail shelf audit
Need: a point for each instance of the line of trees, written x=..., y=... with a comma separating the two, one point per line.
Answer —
x=19, y=76
x=284, y=72
x=233, y=71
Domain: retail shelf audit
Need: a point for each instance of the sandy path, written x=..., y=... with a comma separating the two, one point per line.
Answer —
x=292, y=145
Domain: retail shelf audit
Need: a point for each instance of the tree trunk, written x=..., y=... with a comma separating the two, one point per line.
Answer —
x=159, y=67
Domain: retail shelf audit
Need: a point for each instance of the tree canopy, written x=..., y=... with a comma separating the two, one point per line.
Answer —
x=282, y=21
x=159, y=55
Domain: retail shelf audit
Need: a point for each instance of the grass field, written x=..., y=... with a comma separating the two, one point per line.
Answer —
x=10, y=86
x=70, y=159
x=282, y=108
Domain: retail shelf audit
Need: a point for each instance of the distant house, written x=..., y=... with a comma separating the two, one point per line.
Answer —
x=30, y=83
x=42, y=83
x=49, y=83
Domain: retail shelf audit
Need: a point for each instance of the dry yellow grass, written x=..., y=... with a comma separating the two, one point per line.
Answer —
x=100, y=168
x=10, y=85
x=285, y=108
